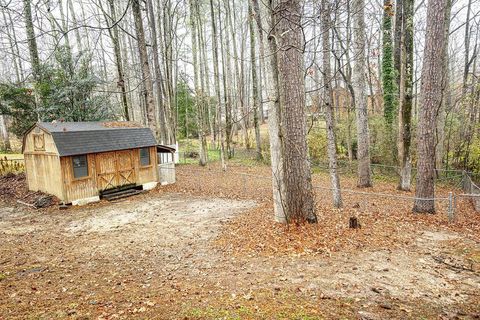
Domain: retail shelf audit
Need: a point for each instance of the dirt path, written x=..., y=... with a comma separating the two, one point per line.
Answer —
x=153, y=256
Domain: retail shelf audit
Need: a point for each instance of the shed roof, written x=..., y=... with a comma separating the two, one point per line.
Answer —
x=74, y=138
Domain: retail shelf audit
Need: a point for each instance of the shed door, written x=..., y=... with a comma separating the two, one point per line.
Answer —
x=115, y=169
x=125, y=169
x=106, y=170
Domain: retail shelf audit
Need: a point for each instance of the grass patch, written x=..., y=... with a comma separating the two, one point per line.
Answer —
x=10, y=156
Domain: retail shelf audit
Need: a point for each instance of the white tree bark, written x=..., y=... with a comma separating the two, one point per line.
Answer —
x=363, y=153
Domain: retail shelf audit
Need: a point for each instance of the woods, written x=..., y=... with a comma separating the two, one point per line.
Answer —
x=301, y=83
x=239, y=159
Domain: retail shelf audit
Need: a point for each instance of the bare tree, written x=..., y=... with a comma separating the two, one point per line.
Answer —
x=255, y=91
x=431, y=96
x=216, y=75
x=363, y=153
x=199, y=94
x=162, y=119
x=328, y=98
x=404, y=65
x=288, y=33
x=146, y=74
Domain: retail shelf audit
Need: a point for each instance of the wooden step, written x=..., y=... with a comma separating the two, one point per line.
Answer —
x=122, y=194
x=118, y=189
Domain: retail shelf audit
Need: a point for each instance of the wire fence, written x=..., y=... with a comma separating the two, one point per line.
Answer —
x=471, y=190
x=259, y=186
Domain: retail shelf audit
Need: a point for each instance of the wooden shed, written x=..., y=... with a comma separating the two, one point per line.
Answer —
x=79, y=161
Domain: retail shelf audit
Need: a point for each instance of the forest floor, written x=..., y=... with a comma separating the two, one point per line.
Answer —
x=206, y=248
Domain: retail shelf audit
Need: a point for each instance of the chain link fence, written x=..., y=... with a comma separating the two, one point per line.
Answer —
x=237, y=183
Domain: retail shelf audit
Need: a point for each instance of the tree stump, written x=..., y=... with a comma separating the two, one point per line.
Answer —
x=354, y=223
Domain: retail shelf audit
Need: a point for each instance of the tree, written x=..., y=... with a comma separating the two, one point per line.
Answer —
x=298, y=199
x=199, y=94
x=255, y=91
x=113, y=32
x=328, y=97
x=145, y=66
x=216, y=74
x=363, y=153
x=404, y=66
x=430, y=99
x=273, y=98
x=33, y=50
x=388, y=71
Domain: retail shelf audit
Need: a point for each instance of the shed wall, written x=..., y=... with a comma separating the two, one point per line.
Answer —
x=149, y=173
x=81, y=188
x=42, y=163
x=43, y=173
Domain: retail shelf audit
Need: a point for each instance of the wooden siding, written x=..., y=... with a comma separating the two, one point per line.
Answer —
x=148, y=173
x=29, y=144
x=107, y=170
x=42, y=163
x=80, y=188
x=43, y=173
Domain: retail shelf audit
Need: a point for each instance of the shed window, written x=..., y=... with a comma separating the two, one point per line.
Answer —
x=144, y=157
x=80, y=166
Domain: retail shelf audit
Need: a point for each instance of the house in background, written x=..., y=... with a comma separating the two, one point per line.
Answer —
x=81, y=161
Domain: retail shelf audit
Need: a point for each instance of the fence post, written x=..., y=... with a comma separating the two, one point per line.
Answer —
x=450, y=206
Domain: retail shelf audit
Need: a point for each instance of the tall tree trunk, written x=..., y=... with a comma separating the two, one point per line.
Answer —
x=388, y=75
x=114, y=36
x=446, y=98
x=198, y=89
x=328, y=96
x=146, y=75
x=164, y=131
x=363, y=153
x=274, y=116
x=299, y=203
x=256, y=95
x=405, y=70
x=431, y=96
x=227, y=80
x=33, y=50
x=256, y=13
x=229, y=27
x=216, y=74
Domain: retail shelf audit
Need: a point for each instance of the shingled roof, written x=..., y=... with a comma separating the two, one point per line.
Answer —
x=74, y=138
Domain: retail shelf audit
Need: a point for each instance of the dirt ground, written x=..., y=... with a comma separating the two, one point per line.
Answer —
x=207, y=250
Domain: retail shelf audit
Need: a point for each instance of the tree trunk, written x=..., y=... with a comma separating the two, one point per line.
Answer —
x=263, y=69
x=363, y=153
x=406, y=94
x=446, y=99
x=33, y=50
x=299, y=203
x=198, y=89
x=113, y=32
x=146, y=75
x=163, y=124
x=274, y=117
x=256, y=95
x=227, y=93
x=216, y=74
x=329, y=108
x=431, y=96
